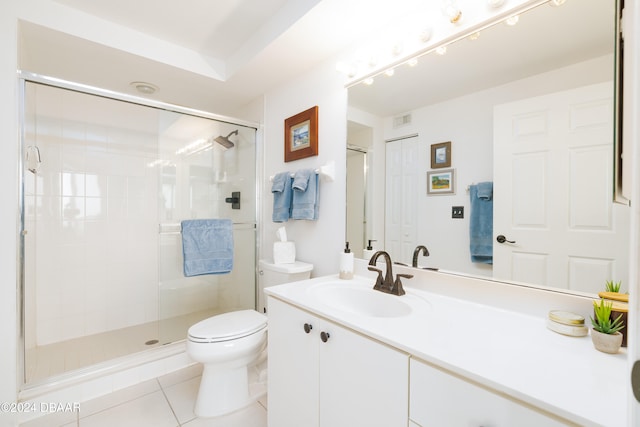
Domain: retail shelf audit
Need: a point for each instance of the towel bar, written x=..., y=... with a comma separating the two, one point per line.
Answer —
x=327, y=171
x=176, y=228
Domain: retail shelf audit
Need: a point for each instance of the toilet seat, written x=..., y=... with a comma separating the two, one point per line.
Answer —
x=227, y=326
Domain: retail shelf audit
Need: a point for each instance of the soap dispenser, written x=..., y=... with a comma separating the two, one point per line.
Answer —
x=368, y=252
x=346, y=263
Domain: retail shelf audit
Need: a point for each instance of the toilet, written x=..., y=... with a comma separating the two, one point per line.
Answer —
x=229, y=344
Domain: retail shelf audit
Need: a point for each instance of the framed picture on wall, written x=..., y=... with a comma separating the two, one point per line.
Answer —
x=441, y=182
x=441, y=155
x=301, y=135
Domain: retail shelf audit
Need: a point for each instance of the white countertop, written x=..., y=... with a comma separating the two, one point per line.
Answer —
x=502, y=349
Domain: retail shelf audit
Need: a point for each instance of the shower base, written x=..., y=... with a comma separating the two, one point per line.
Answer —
x=47, y=361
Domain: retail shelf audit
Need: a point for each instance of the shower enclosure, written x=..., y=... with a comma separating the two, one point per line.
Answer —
x=105, y=183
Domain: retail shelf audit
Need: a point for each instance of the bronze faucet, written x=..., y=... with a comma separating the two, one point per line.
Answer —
x=416, y=253
x=387, y=285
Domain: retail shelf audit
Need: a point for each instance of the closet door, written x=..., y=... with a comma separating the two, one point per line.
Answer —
x=401, y=198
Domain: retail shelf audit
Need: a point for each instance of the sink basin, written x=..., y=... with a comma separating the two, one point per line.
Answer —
x=360, y=299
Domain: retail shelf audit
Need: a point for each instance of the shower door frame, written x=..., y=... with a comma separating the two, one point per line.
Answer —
x=105, y=367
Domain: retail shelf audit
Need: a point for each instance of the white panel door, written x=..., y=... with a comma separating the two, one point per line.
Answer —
x=553, y=191
x=401, y=198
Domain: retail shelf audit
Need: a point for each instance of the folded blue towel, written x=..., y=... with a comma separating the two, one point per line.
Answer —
x=207, y=246
x=485, y=190
x=305, y=195
x=481, y=223
x=281, y=189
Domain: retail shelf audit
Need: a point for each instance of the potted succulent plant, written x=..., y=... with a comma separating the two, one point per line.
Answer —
x=605, y=334
x=620, y=304
x=611, y=286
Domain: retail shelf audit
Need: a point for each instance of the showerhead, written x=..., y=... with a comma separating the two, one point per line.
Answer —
x=224, y=140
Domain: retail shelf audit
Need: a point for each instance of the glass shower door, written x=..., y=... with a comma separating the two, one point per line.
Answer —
x=207, y=170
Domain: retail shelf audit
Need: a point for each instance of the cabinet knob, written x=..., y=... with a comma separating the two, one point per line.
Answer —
x=324, y=336
x=308, y=327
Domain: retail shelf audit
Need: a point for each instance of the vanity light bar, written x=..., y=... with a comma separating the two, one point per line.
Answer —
x=369, y=77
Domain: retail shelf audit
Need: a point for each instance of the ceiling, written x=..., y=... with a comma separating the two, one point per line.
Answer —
x=249, y=47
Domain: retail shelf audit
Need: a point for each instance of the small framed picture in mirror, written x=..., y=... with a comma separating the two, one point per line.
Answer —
x=441, y=182
x=441, y=155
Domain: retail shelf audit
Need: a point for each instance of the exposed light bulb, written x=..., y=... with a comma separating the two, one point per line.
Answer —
x=425, y=34
x=397, y=49
x=512, y=20
x=390, y=72
x=556, y=3
x=475, y=36
x=368, y=81
x=452, y=11
x=373, y=60
x=412, y=62
x=441, y=50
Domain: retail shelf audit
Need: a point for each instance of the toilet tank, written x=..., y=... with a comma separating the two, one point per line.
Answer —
x=271, y=274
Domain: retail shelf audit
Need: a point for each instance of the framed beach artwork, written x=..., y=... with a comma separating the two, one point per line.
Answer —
x=441, y=182
x=301, y=135
x=441, y=155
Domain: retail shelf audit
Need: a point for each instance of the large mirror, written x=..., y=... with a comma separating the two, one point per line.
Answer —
x=529, y=111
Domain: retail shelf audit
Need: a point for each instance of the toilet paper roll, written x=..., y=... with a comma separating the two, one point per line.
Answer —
x=284, y=252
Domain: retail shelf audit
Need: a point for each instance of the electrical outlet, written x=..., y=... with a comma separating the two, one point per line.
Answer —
x=457, y=211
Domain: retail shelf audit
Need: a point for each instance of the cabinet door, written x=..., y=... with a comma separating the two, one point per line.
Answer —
x=440, y=399
x=293, y=367
x=362, y=382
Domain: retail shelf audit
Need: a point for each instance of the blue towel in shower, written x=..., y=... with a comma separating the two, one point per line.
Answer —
x=207, y=246
x=305, y=195
x=281, y=189
x=481, y=223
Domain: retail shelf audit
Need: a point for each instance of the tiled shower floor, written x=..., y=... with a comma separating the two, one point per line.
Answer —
x=55, y=359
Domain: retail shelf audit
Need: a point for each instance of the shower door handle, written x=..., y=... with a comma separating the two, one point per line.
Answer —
x=234, y=200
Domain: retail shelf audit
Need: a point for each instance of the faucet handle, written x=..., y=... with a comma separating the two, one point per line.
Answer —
x=397, y=285
x=379, y=282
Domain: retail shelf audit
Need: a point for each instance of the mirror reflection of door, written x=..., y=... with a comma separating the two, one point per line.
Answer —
x=401, y=198
x=553, y=160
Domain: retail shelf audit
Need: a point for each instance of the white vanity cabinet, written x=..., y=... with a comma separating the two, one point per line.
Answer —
x=438, y=398
x=324, y=375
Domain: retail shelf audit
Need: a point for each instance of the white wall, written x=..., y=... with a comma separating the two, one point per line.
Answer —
x=319, y=242
x=468, y=123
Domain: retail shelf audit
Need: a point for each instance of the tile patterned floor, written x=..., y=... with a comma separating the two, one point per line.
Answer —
x=167, y=401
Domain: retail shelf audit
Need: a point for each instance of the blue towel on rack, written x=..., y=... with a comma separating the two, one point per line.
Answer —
x=481, y=223
x=281, y=189
x=207, y=246
x=305, y=195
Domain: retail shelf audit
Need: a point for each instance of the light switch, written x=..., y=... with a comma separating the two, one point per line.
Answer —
x=457, y=211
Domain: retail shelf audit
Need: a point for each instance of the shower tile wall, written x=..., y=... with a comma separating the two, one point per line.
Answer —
x=92, y=209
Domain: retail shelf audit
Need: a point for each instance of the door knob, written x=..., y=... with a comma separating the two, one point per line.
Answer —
x=324, y=336
x=635, y=379
x=502, y=239
x=307, y=327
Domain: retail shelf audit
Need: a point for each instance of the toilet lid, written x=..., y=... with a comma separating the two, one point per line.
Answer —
x=227, y=326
